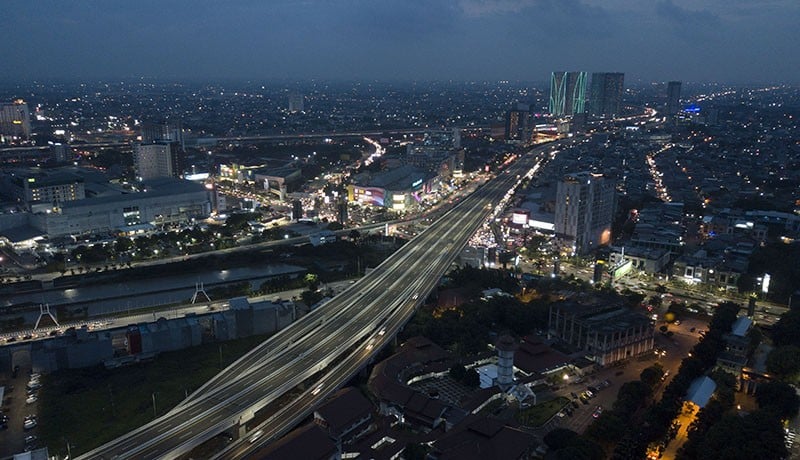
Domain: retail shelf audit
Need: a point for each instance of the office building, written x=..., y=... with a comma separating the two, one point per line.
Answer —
x=584, y=211
x=673, y=98
x=605, y=95
x=567, y=93
x=519, y=124
x=154, y=160
x=296, y=103
x=15, y=120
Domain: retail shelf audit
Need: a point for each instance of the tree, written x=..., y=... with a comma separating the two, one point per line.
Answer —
x=415, y=451
x=472, y=379
x=778, y=397
x=631, y=396
x=757, y=435
x=312, y=281
x=608, y=428
x=656, y=301
x=784, y=332
x=784, y=361
x=457, y=372
x=652, y=375
x=560, y=438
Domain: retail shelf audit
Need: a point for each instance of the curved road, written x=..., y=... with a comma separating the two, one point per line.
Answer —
x=336, y=340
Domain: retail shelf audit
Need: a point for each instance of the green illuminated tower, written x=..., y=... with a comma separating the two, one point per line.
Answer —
x=567, y=93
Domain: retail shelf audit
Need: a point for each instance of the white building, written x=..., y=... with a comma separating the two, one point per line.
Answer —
x=165, y=201
x=584, y=211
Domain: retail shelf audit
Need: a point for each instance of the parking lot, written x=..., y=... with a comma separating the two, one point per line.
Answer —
x=17, y=405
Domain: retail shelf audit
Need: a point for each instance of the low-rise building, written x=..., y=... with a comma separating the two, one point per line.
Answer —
x=346, y=416
x=650, y=261
x=481, y=437
x=606, y=333
x=308, y=442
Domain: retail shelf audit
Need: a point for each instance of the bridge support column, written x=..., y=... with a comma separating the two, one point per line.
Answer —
x=242, y=431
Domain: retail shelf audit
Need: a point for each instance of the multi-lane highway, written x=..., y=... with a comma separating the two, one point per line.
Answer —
x=324, y=350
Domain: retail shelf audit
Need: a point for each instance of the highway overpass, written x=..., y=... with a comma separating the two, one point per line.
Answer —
x=324, y=350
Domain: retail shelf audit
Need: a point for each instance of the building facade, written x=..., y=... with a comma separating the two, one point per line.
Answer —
x=165, y=201
x=519, y=124
x=606, y=334
x=673, y=98
x=15, y=120
x=50, y=188
x=153, y=161
x=567, y=93
x=584, y=211
x=605, y=96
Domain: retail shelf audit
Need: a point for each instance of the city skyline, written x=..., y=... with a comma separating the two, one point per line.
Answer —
x=711, y=40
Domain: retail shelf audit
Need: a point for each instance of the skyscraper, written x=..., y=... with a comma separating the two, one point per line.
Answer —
x=15, y=120
x=673, y=98
x=154, y=160
x=518, y=124
x=605, y=95
x=567, y=93
x=584, y=211
x=296, y=102
x=171, y=131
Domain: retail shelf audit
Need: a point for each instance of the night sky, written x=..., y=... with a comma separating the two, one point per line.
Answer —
x=729, y=41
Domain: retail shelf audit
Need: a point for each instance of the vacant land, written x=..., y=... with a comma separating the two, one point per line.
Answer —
x=540, y=413
x=88, y=407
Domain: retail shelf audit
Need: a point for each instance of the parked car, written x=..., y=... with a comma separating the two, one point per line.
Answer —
x=29, y=424
x=597, y=412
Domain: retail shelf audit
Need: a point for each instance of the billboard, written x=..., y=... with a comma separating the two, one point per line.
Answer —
x=520, y=217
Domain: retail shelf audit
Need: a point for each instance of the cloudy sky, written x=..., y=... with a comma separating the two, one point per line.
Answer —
x=734, y=41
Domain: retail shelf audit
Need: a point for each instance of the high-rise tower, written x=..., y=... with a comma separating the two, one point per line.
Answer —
x=605, y=95
x=673, y=98
x=154, y=160
x=15, y=120
x=567, y=93
x=584, y=211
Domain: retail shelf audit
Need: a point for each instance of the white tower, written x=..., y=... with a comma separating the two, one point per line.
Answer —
x=506, y=346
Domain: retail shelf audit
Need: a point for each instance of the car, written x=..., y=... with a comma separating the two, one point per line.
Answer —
x=589, y=393
x=677, y=322
x=29, y=424
x=31, y=399
x=30, y=438
x=691, y=329
x=574, y=395
x=585, y=400
x=597, y=412
x=34, y=385
x=575, y=404
x=594, y=390
x=317, y=390
x=30, y=417
x=256, y=436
